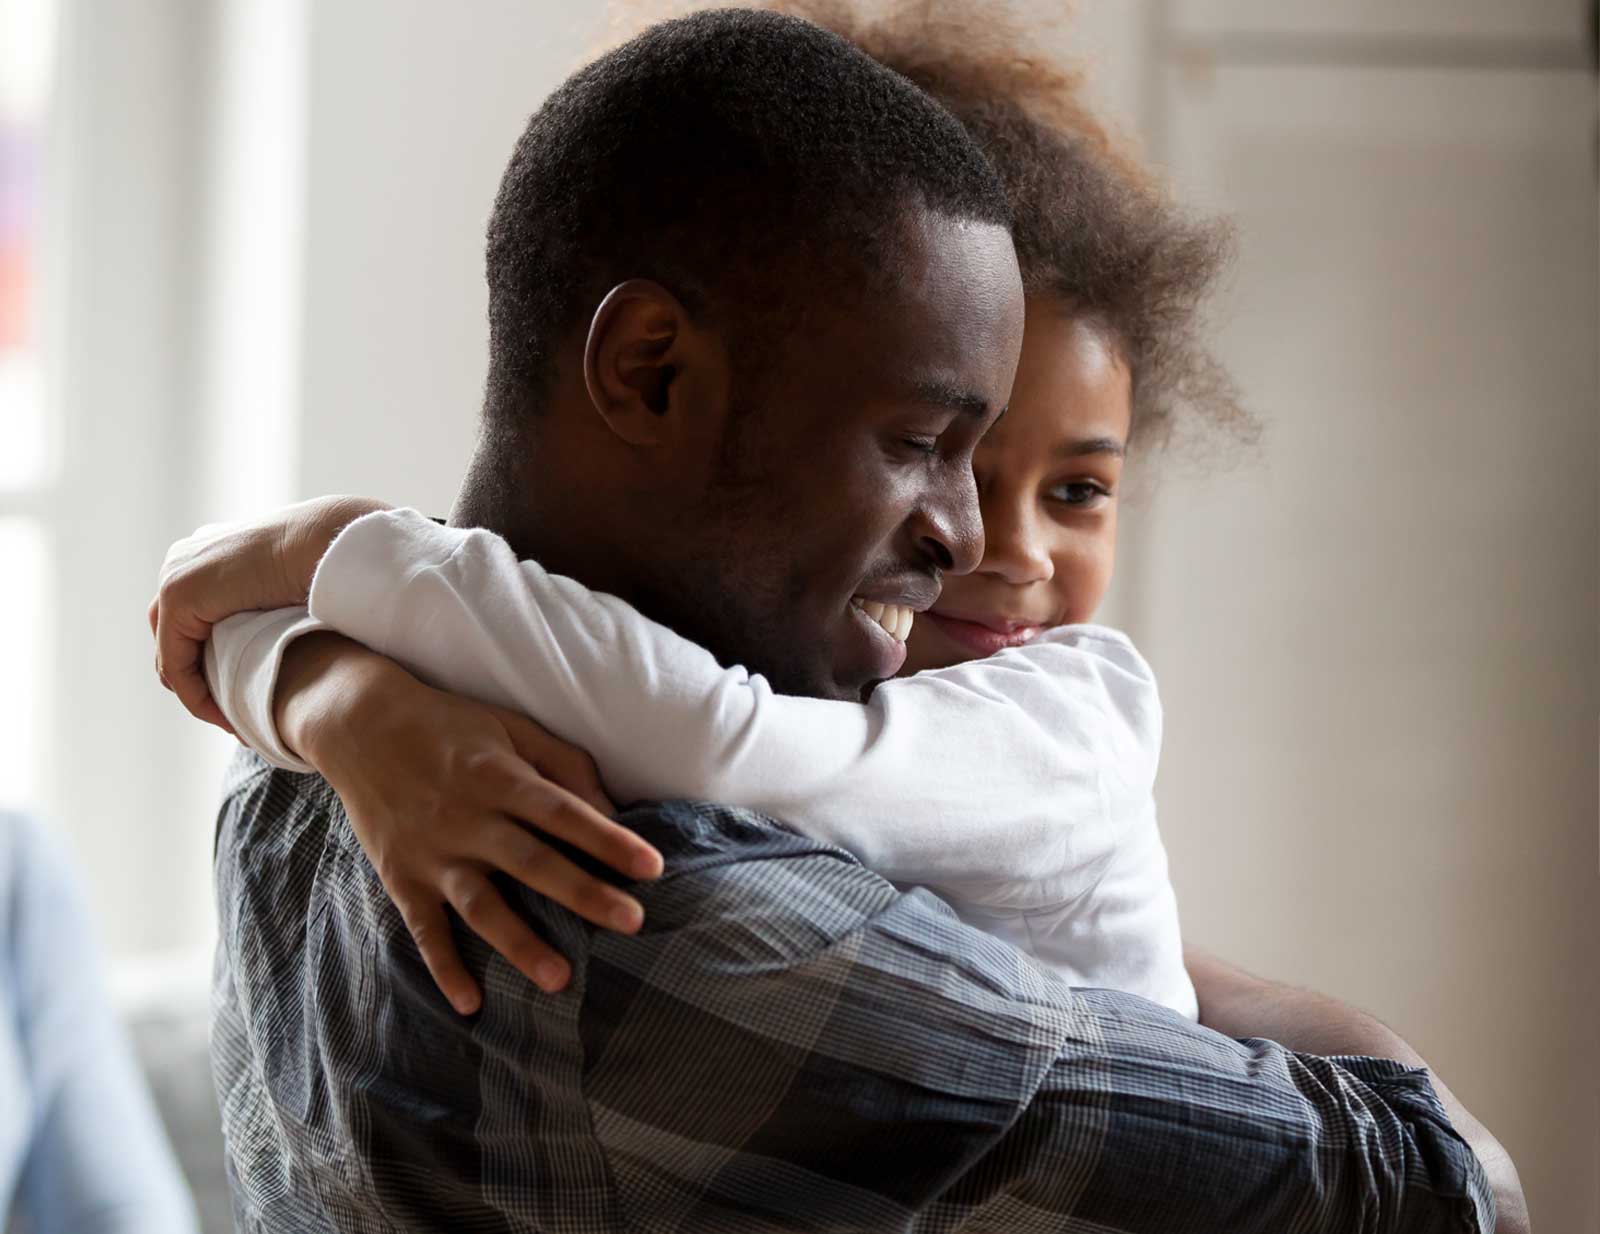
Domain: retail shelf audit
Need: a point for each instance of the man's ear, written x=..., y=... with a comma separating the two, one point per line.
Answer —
x=642, y=357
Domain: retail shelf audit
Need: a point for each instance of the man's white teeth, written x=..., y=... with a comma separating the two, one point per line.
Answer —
x=895, y=618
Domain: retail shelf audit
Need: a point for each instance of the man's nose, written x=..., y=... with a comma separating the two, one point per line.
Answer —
x=950, y=526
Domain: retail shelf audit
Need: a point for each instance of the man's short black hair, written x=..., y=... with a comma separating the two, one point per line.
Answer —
x=751, y=163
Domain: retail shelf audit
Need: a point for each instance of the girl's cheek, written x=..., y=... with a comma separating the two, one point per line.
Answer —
x=1082, y=579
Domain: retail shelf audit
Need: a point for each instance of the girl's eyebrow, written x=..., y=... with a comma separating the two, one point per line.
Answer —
x=1091, y=445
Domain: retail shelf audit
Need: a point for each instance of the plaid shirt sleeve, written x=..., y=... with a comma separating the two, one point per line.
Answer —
x=834, y=1048
x=790, y=1044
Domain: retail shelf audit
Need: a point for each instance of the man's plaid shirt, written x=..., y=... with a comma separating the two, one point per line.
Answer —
x=790, y=1044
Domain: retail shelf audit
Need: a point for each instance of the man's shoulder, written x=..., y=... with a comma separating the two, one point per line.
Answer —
x=266, y=805
x=248, y=775
x=698, y=835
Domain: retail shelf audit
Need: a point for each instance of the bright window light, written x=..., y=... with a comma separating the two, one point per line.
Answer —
x=26, y=58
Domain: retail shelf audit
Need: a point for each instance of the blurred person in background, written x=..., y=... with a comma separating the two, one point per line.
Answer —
x=82, y=1149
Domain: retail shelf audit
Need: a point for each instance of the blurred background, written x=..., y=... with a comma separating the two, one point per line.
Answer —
x=241, y=263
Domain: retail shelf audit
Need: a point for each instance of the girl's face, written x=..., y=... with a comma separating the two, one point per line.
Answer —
x=1047, y=476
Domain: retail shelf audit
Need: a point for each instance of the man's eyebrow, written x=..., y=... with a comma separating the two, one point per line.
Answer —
x=936, y=393
x=1091, y=445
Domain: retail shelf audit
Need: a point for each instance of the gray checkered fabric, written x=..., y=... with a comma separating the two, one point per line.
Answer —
x=791, y=1044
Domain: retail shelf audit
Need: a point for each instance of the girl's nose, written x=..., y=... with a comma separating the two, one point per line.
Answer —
x=1015, y=546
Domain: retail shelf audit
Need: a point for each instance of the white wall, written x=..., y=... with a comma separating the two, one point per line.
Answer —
x=1377, y=647
x=414, y=112
x=119, y=271
x=265, y=246
x=251, y=288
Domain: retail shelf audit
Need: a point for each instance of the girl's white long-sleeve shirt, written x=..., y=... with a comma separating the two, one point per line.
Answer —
x=1018, y=787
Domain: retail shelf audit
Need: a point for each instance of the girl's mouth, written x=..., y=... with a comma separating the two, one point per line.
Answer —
x=983, y=635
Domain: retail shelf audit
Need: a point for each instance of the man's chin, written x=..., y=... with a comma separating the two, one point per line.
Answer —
x=845, y=666
x=836, y=683
x=808, y=678
x=842, y=689
x=851, y=686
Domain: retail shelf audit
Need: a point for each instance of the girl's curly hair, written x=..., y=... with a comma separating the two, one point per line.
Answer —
x=1094, y=228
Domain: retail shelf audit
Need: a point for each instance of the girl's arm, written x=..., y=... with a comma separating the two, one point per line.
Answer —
x=1123, y=934
x=1005, y=780
x=963, y=780
x=243, y=658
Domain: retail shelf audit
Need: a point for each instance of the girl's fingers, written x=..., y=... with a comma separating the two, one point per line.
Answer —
x=474, y=897
x=179, y=657
x=510, y=848
x=554, y=810
x=425, y=918
x=556, y=760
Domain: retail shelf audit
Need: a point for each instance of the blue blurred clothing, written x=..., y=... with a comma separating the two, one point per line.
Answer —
x=82, y=1149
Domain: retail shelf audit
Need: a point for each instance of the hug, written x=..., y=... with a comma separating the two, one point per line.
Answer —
x=731, y=819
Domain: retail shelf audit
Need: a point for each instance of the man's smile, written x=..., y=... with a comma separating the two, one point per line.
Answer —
x=883, y=614
x=895, y=618
x=885, y=652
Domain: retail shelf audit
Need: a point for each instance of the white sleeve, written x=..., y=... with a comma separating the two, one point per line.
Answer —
x=241, y=664
x=1001, y=779
x=1121, y=934
x=242, y=659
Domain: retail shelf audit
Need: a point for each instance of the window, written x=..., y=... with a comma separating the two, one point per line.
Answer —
x=27, y=46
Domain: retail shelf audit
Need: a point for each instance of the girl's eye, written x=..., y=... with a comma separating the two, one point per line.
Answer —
x=1079, y=493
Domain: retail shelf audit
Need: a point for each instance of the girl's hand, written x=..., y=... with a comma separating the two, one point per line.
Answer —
x=443, y=792
x=223, y=569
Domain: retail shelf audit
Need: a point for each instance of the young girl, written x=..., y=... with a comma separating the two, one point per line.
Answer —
x=1011, y=771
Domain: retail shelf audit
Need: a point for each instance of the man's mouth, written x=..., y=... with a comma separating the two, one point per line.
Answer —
x=879, y=616
x=883, y=624
x=894, y=618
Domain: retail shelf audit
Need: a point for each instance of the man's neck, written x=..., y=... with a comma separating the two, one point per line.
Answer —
x=544, y=519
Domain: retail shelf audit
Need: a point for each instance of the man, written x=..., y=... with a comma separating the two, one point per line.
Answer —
x=739, y=276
